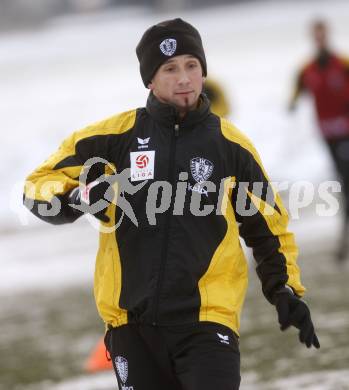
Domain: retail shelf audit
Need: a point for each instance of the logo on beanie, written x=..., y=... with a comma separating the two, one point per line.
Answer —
x=168, y=46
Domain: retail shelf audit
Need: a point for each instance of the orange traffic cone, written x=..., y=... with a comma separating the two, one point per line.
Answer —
x=98, y=361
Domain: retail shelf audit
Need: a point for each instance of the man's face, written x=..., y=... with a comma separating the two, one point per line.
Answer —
x=320, y=35
x=179, y=82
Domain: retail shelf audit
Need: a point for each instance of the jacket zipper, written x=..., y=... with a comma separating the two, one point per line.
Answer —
x=167, y=227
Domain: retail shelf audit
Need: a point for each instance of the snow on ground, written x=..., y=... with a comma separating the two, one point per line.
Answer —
x=79, y=70
x=47, y=258
x=55, y=257
x=335, y=380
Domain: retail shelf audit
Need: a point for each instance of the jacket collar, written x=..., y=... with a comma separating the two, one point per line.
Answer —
x=168, y=115
x=323, y=58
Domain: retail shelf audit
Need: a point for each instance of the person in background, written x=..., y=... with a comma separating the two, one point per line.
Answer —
x=217, y=97
x=170, y=282
x=326, y=79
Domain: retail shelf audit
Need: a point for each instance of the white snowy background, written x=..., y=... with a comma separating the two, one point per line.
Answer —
x=78, y=70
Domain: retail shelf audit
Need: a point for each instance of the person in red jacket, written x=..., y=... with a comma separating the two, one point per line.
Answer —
x=326, y=79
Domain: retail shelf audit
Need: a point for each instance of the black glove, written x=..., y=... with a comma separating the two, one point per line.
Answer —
x=94, y=199
x=293, y=311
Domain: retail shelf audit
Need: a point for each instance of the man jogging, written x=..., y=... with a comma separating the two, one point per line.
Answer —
x=98, y=358
x=326, y=79
x=171, y=277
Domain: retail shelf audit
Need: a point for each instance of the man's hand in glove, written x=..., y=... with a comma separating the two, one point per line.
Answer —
x=293, y=311
x=94, y=198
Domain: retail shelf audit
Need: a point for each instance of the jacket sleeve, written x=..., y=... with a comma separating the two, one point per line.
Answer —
x=47, y=189
x=345, y=61
x=263, y=221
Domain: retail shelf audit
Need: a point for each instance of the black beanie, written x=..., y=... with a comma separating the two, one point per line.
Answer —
x=164, y=40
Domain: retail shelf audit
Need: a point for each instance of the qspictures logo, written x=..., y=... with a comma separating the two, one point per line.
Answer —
x=249, y=197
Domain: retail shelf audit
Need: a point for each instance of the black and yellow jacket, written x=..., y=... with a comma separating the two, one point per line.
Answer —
x=185, y=268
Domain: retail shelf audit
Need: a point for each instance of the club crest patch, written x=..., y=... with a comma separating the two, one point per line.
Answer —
x=168, y=46
x=201, y=169
x=122, y=368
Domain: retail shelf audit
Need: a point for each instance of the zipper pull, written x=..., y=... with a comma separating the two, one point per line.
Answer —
x=176, y=129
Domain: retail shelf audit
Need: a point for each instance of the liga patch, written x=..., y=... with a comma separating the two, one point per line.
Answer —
x=142, y=165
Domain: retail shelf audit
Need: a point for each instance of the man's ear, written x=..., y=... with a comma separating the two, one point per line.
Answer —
x=203, y=79
x=151, y=86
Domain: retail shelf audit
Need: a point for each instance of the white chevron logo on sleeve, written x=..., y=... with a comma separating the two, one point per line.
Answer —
x=142, y=141
x=223, y=338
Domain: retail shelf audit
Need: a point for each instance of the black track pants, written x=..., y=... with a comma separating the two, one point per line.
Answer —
x=202, y=356
x=340, y=153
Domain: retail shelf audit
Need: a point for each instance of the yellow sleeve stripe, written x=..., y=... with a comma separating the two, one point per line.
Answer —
x=231, y=133
x=277, y=224
x=117, y=124
x=42, y=185
x=46, y=182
